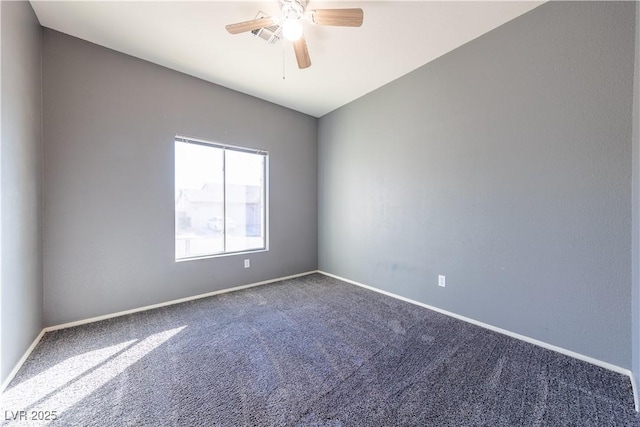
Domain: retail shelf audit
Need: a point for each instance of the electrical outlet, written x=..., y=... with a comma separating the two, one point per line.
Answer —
x=247, y=263
x=441, y=281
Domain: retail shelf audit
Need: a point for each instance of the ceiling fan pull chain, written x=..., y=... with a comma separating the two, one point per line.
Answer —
x=283, y=77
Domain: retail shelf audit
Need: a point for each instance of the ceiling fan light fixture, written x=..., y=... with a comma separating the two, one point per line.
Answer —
x=292, y=29
x=289, y=25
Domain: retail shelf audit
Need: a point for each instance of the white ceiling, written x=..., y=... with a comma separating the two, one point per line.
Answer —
x=396, y=38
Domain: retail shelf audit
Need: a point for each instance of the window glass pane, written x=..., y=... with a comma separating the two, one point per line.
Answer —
x=199, y=200
x=244, y=201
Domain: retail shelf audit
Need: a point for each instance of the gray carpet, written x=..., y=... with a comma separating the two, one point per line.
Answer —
x=311, y=351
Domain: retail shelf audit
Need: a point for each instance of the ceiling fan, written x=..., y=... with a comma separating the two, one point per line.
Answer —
x=290, y=24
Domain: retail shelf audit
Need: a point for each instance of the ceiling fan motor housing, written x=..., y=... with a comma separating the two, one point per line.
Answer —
x=292, y=9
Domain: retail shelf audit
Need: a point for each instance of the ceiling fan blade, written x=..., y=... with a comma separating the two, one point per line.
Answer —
x=337, y=17
x=254, y=24
x=302, y=53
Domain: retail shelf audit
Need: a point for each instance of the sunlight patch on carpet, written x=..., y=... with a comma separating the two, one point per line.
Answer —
x=67, y=383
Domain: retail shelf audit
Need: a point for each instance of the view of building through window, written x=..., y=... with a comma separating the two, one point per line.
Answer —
x=220, y=199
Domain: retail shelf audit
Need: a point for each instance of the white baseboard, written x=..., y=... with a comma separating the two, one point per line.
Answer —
x=636, y=402
x=172, y=302
x=530, y=340
x=21, y=361
x=135, y=310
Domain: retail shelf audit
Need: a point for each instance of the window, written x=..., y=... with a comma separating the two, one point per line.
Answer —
x=220, y=199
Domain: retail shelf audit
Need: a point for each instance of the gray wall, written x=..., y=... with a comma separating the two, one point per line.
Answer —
x=109, y=124
x=635, y=301
x=20, y=183
x=504, y=165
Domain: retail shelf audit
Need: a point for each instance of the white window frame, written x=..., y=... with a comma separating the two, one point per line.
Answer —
x=265, y=195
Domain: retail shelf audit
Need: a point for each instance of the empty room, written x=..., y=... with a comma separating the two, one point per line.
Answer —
x=319, y=213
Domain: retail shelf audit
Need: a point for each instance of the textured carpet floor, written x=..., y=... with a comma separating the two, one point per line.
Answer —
x=311, y=351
